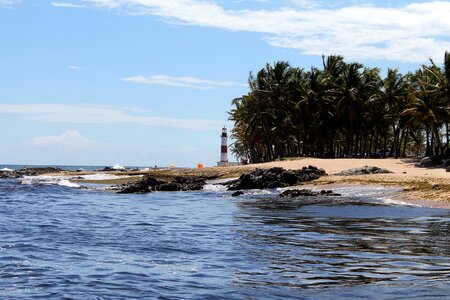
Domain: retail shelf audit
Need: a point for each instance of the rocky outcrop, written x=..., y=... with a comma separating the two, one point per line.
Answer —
x=274, y=178
x=363, y=171
x=446, y=163
x=426, y=162
x=29, y=172
x=306, y=193
x=434, y=162
x=237, y=194
x=151, y=184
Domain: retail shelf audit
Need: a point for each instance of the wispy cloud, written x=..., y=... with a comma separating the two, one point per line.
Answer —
x=94, y=114
x=67, y=5
x=187, y=82
x=69, y=138
x=9, y=3
x=74, y=67
x=411, y=32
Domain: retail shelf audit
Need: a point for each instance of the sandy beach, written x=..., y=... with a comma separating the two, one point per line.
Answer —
x=428, y=187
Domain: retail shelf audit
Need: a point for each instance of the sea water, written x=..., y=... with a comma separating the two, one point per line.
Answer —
x=59, y=240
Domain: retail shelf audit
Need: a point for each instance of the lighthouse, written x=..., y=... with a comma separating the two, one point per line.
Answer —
x=224, y=148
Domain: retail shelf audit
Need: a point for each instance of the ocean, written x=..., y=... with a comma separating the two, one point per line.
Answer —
x=63, y=240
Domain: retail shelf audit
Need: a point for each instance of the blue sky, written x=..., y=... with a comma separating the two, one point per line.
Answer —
x=145, y=82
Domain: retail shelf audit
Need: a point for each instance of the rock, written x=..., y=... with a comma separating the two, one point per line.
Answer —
x=151, y=184
x=275, y=184
x=448, y=169
x=274, y=178
x=306, y=193
x=168, y=187
x=288, y=177
x=446, y=163
x=363, y=171
x=237, y=194
x=431, y=161
x=426, y=162
x=29, y=172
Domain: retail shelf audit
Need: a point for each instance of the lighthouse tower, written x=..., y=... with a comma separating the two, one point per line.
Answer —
x=224, y=148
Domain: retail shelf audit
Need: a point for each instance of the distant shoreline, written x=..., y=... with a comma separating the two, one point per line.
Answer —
x=428, y=187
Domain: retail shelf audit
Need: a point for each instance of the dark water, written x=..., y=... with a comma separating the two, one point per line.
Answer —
x=60, y=242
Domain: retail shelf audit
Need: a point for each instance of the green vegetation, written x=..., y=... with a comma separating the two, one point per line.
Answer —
x=342, y=110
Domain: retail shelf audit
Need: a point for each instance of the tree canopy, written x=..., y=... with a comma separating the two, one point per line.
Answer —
x=342, y=110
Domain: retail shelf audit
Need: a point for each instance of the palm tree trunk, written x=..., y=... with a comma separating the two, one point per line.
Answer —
x=438, y=151
x=405, y=143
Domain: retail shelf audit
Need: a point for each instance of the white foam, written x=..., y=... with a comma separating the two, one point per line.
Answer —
x=390, y=201
x=48, y=180
x=118, y=167
x=68, y=183
x=66, y=180
x=100, y=176
x=6, y=170
x=260, y=192
x=215, y=186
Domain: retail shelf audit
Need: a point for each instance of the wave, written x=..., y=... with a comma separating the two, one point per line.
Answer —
x=65, y=180
x=6, y=170
x=100, y=176
x=48, y=180
x=390, y=201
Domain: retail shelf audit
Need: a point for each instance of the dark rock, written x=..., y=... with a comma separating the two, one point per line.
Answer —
x=363, y=171
x=168, y=187
x=426, y=162
x=237, y=194
x=275, y=185
x=306, y=193
x=446, y=163
x=288, y=177
x=29, y=172
x=151, y=184
x=274, y=178
x=448, y=169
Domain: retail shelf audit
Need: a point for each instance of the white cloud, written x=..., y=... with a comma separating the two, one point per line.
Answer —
x=412, y=32
x=67, y=5
x=9, y=3
x=74, y=67
x=93, y=114
x=69, y=139
x=188, y=82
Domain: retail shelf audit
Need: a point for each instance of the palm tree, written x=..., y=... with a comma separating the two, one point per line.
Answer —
x=345, y=92
x=428, y=108
x=341, y=109
x=393, y=96
x=440, y=89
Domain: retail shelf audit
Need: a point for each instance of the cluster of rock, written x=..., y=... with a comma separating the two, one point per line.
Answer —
x=306, y=193
x=274, y=178
x=28, y=172
x=151, y=184
x=435, y=162
x=363, y=171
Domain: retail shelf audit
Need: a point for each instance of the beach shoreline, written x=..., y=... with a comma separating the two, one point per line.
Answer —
x=428, y=187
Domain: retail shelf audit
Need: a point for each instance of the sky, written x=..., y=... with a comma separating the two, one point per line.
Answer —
x=150, y=82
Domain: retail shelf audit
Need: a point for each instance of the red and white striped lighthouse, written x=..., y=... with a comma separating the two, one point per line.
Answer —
x=224, y=147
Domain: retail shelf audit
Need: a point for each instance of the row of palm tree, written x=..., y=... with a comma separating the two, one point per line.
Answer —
x=342, y=110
